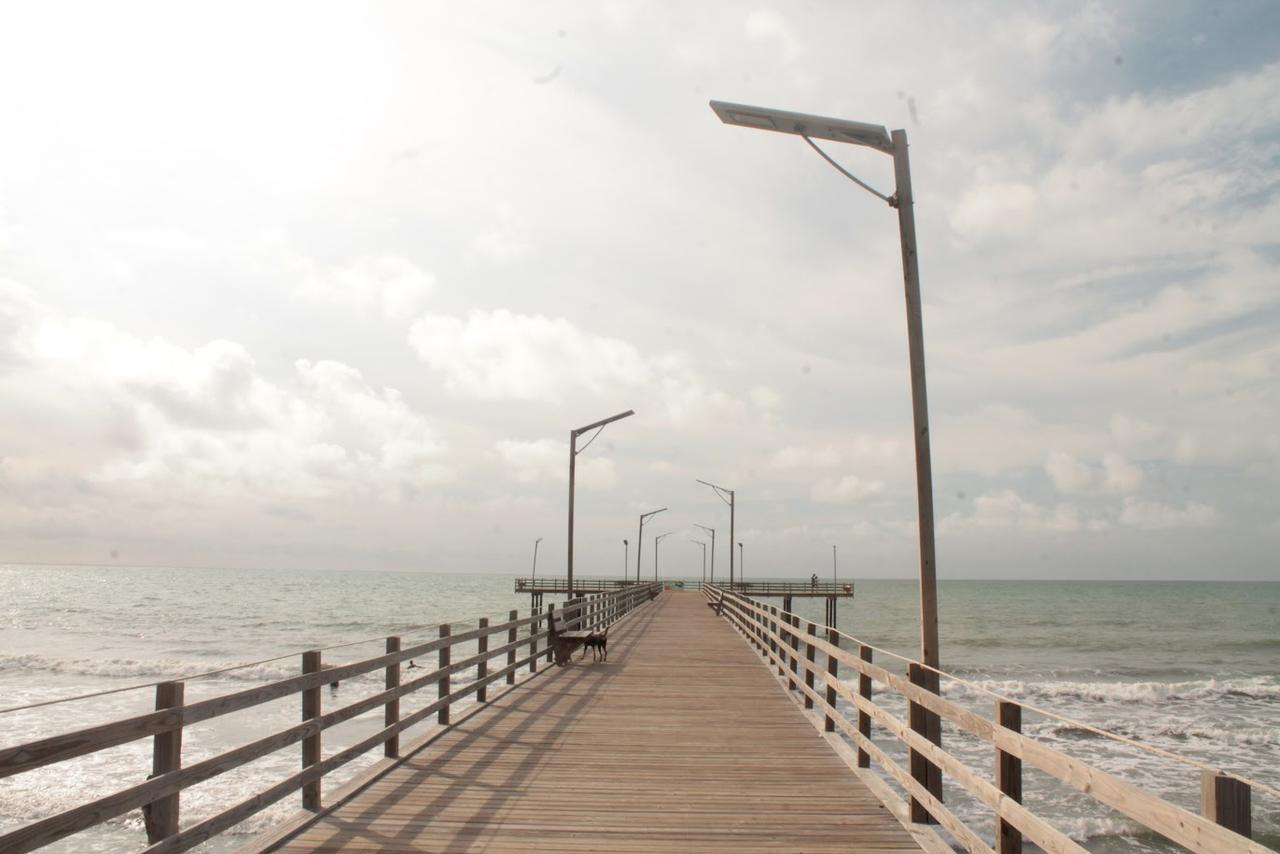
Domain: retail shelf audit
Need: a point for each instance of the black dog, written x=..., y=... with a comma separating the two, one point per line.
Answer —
x=597, y=641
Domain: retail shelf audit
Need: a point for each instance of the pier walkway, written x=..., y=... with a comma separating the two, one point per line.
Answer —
x=681, y=741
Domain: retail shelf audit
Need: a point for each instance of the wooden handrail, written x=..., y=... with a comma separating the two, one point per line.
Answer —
x=171, y=778
x=771, y=634
x=25, y=757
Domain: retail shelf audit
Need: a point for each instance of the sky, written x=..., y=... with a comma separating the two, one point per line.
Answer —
x=327, y=285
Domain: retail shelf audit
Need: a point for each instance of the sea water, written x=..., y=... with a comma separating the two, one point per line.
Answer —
x=1191, y=667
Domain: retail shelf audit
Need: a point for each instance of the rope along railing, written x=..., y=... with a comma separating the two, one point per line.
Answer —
x=792, y=647
x=159, y=795
x=231, y=668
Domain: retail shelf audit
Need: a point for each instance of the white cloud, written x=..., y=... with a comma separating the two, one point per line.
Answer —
x=765, y=397
x=204, y=420
x=1152, y=515
x=548, y=459
x=500, y=355
x=1119, y=475
x=768, y=26
x=1069, y=475
x=1008, y=510
x=389, y=285
x=846, y=489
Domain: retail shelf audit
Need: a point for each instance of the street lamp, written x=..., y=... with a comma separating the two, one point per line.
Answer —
x=722, y=492
x=626, y=552
x=834, y=578
x=742, y=568
x=657, y=540
x=598, y=426
x=808, y=128
x=704, y=557
x=712, y=532
x=644, y=517
x=534, y=573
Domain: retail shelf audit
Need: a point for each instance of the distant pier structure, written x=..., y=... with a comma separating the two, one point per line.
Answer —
x=832, y=591
x=559, y=586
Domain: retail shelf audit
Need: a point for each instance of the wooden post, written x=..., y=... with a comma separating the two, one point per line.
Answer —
x=482, y=669
x=311, y=744
x=775, y=629
x=1008, y=778
x=533, y=641
x=511, y=653
x=864, y=719
x=564, y=616
x=833, y=668
x=795, y=646
x=790, y=657
x=446, y=656
x=1226, y=801
x=809, y=652
x=391, y=715
x=929, y=725
x=161, y=815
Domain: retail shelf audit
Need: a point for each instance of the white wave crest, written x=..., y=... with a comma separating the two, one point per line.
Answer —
x=1255, y=687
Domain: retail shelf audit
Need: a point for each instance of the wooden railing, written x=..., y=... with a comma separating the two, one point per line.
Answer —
x=159, y=795
x=580, y=585
x=793, y=646
x=793, y=588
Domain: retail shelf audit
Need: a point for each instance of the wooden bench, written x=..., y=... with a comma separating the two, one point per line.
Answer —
x=563, y=643
x=718, y=604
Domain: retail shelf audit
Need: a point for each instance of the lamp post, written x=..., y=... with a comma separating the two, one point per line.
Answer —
x=657, y=540
x=626, y=557
x=834, y=578
x=742, y=568
x=704, y=558
x=712, y=532
x=722, y=492
x=644, y=517
x=573, y=457
x=534, y=573
x=810, y=127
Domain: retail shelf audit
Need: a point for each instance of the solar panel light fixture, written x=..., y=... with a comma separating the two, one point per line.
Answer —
x=802, y=124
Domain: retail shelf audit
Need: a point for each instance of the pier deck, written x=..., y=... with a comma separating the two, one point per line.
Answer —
x=682, y=741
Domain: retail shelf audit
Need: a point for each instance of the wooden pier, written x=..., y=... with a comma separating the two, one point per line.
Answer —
x=735, y=727
x=642, y=753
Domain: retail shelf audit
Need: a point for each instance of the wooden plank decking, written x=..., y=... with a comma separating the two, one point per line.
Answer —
x=682, y=741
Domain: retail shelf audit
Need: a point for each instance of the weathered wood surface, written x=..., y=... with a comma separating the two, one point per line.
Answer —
x=681, y=741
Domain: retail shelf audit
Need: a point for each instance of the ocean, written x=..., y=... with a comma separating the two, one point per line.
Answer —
x=1191, y=667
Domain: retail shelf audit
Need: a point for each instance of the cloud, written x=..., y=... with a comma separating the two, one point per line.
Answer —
x=389, y=285
x=765, y=397
x=1152, y=515
x=1120, y=476
x=769, y=27
x=1006, y=509
x=846, y=489
x=204, y=420
x=1069, y=475
x=548, y=459
x=499, y=355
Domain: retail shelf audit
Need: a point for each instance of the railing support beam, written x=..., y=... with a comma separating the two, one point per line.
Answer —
x=929, y=725
x=1227, y=801
x=311, y=744
x=161, y=815
x=391, y=715
x=1008, y=778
